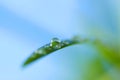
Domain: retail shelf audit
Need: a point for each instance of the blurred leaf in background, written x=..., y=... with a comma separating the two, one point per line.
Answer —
x=103, y=23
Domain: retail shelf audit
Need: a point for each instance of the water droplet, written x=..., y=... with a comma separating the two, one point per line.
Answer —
x=54, y=42
x=40, y=51
x=66, y=42
x=57, y=46
x=48, y=47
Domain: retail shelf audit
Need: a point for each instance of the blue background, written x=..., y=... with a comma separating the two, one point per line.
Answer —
x=26, y=25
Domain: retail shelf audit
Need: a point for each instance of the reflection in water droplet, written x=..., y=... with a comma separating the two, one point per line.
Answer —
x=55, y=43
x=55, y=40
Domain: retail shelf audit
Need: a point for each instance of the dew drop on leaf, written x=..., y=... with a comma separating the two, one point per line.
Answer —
x=66, y=42
x=55, y=43
x=55, y=40
x=57, y=46
x=40, y=51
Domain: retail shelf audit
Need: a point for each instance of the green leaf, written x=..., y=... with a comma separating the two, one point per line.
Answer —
x=110, y=54
x=53, y=46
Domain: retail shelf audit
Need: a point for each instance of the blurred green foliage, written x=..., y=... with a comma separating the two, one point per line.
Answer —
x=101, y=67
x=106, y=65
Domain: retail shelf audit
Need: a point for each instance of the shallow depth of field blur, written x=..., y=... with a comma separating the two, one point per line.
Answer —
x=25, y=25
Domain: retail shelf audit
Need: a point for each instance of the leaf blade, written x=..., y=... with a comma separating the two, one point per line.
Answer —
x=47, y=49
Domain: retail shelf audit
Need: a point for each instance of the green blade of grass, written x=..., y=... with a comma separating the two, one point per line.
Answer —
x=49, y=48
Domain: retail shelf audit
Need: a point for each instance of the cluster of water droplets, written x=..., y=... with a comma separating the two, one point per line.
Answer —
x=54, y=44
